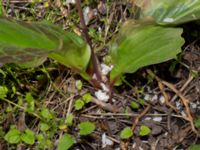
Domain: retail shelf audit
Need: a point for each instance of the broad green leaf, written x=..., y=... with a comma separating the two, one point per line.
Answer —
x=66, y=142
x=29, y=44
x=74, y=54
x=195, y=147
x=86, y=128
x=141, y=44
x=1, y=9
x=3, y=91
x=170, y=11
x=13, y=136
x=28, y=137
x=197, y=122
x=126, y=133
x=144, y=130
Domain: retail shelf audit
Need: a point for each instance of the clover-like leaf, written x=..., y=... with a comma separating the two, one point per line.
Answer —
x=170, y=11
x=13, y=136
x=144, y=130
x=86, y=128
x=3, y=91
x=66, y=142
x=141, y=44
x=79, y=104
x=28, y=137
x=126, y=133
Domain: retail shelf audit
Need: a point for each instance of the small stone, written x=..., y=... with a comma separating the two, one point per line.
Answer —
x=157, y=119
x=106, y=141
x=162, y=99
x=102, y=96
x=70, y=1
x=105, y=69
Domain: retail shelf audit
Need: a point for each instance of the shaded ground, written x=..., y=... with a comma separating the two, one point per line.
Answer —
x=53, y=86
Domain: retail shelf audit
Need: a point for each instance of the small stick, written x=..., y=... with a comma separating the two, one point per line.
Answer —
x=105, y=106
x=183, y=99
x=185, y=103
x=139, y=117
x=160, y=84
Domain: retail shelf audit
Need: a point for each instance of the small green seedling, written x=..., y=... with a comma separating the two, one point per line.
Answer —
x=87, y=98
x=79, y=104
x=126, y=133
x=65, y=142
x=86, y=128
x=144, y=130
x=28, y=137
x=134, y=105
x=69, y=120
x=13, y=136
x=3, y=91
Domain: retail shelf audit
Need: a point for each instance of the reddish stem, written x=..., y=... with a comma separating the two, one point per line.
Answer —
x=94, y=59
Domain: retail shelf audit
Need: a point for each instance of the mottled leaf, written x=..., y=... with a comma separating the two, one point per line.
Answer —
x=142, y=44
x=170, y=11
x=29, y=44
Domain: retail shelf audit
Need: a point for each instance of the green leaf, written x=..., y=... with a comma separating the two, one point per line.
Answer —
x=28, y=137
x=79, y=104
x=170, y=11
x=66, y=142
x=79, y=84
x=3, y=91
x=74, y=54
x=87, y=98
x=44, y=126
x=31, y=102
x=29, y=44
x=143, y=44
x=144, y=130
x=46, y=114
x=86, y=128
x=197, y=122
x=13, y=136
x=195, y=147
x=126, y=133
x=69, y=119
x=1, y=8
x=134, y=105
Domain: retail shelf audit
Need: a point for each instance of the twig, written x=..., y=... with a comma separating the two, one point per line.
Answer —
x=185, y=103
x=183, y=99
x=139, y=117
x=160, y=84
x=191, y=77
x=105, y=106
x=87, y=38
x=122, y=115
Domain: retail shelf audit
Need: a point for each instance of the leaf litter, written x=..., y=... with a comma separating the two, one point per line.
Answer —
x=169, y=129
